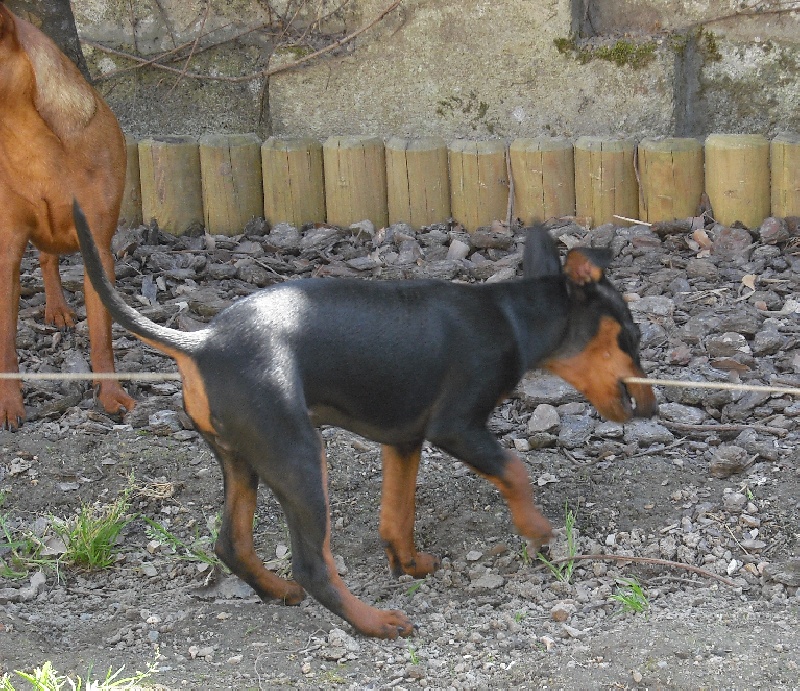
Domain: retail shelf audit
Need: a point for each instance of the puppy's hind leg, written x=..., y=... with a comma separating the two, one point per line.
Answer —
x=234, y=545
x=301, y=487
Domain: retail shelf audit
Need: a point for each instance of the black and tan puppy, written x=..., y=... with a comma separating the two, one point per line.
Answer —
x=398, y=362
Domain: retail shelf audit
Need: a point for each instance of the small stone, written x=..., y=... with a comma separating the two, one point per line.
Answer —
x=474, y=555
x=562, y=611
x=727, y=345
x=522, y=445
x=787, y=573
x=732, y=244
x=654, y=305
x=458, y=250
x=489, y=581
x=547, y=642
x=545, y=418
x=647, y=432
x=773, y=230
x=734, y=502
x=727, y=461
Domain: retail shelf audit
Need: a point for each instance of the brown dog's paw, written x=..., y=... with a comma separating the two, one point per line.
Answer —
x=294, y=594
x=422, y=565
x=12, y=411
x=114, y=398
x=60, y=316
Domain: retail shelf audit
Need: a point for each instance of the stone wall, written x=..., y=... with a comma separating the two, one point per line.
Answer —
x=454, y=68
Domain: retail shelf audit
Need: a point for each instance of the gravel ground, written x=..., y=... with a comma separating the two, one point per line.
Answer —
x=711, y=483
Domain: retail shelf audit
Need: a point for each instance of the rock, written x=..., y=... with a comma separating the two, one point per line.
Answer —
x=727, y=345
x=646, y=433
x=773, y=230
x=734, y=502
x=787, y=572
x=699, y=326
x=486, y=239
x=545, y=418
x=732, y=244
x=537, y=388
x=283, y=237
x=702, y=268
x=655, y=305
x=164, y=422
x=320, y=238
x=575, y=430
x=676, y=412
x=727, y=461
x=340, y=639
x=458, y=250
x=768, y=342
x=562, y=611
x=489, y=581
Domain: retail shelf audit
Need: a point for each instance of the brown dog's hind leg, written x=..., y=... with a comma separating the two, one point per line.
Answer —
x=112, y=396
x=234, y=545
x=56, y=309
x=398, y=509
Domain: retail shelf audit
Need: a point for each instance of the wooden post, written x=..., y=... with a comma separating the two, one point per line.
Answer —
x=737, y=178
x=478, y=182
x=230, y=166
x=417, y=182
x=172, y=194
x=355, y=180
x=671, y=178
x=605, y=179
x=130, y=211
x=294, y=188
x=785, y=166
x=544, y=178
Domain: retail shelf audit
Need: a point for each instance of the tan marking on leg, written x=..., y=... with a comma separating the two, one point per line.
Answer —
x=398, y=508
x=235, y=543
x=515, y=486
x=367, y=620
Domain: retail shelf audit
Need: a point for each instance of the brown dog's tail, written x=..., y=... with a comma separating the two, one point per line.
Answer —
x=166, y=340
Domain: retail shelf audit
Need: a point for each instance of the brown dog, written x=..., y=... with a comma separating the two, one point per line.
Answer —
x=58, y=140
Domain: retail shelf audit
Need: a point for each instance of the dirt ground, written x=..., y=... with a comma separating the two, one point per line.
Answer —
x=494, y=616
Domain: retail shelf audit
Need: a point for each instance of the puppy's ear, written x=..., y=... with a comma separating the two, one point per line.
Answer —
x=585, y=265
x=541, y=255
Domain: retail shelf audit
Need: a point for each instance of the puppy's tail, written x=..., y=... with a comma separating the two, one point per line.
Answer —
x=169, y=341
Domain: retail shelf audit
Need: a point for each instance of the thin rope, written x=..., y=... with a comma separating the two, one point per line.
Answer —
x=175, y=376
x=792, y=391
x=78, y=376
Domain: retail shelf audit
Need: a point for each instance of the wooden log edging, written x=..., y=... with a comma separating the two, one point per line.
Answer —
x=737, y=178
x=785, y=175
x=605, y=179
x=183, y=183
x=417, y=180
x=294, y=187
x=169, y=170
x=671, y=178
x=230, y=171
x=543, y=169
x=355, y=180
